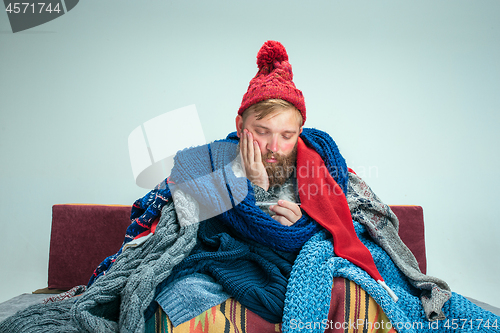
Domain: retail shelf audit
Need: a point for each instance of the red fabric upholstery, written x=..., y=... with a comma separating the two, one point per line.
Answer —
x=411, y=231
x=83, y=235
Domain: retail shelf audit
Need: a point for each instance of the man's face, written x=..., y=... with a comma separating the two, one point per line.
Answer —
x=277, y=136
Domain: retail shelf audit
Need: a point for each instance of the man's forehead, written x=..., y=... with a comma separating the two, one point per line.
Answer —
x=284, y=114
x=286, y=130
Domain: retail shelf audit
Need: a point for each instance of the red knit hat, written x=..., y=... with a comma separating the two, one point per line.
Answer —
x=273, y=80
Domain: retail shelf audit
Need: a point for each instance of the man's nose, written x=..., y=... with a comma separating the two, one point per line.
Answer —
x=273, y=144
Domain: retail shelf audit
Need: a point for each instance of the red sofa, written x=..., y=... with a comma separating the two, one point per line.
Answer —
x=84, y=234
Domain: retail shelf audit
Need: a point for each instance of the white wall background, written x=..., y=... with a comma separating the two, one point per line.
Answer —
x=409, y=90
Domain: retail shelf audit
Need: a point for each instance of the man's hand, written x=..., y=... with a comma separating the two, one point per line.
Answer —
x=252, y=160
x=287, y=213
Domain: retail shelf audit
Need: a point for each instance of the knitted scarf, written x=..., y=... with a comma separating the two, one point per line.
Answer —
x=323, y=199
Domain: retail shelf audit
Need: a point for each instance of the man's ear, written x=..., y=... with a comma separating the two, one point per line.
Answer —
x=300, y=131
x=239, y=125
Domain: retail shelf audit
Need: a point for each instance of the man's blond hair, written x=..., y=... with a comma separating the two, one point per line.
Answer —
x=268, y=107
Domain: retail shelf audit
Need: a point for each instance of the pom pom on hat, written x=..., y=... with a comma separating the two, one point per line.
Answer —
x=270, y=52
x=274, y=80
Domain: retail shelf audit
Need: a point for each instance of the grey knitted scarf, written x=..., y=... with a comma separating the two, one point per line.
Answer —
x=128, y=286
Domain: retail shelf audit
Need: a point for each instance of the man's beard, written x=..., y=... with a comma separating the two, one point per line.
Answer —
x=279, y=171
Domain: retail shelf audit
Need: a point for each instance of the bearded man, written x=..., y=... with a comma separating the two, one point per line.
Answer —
x=268, y=133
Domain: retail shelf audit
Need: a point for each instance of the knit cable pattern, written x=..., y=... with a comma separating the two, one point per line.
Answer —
x=144, y=212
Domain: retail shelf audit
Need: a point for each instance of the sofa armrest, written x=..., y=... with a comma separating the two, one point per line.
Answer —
x=82, y=236
x=411, y=231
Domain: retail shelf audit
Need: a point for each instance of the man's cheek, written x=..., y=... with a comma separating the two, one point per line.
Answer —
x=261, y=145
x=287, y=148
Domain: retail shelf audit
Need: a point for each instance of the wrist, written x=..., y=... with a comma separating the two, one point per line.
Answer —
x=263, y=186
